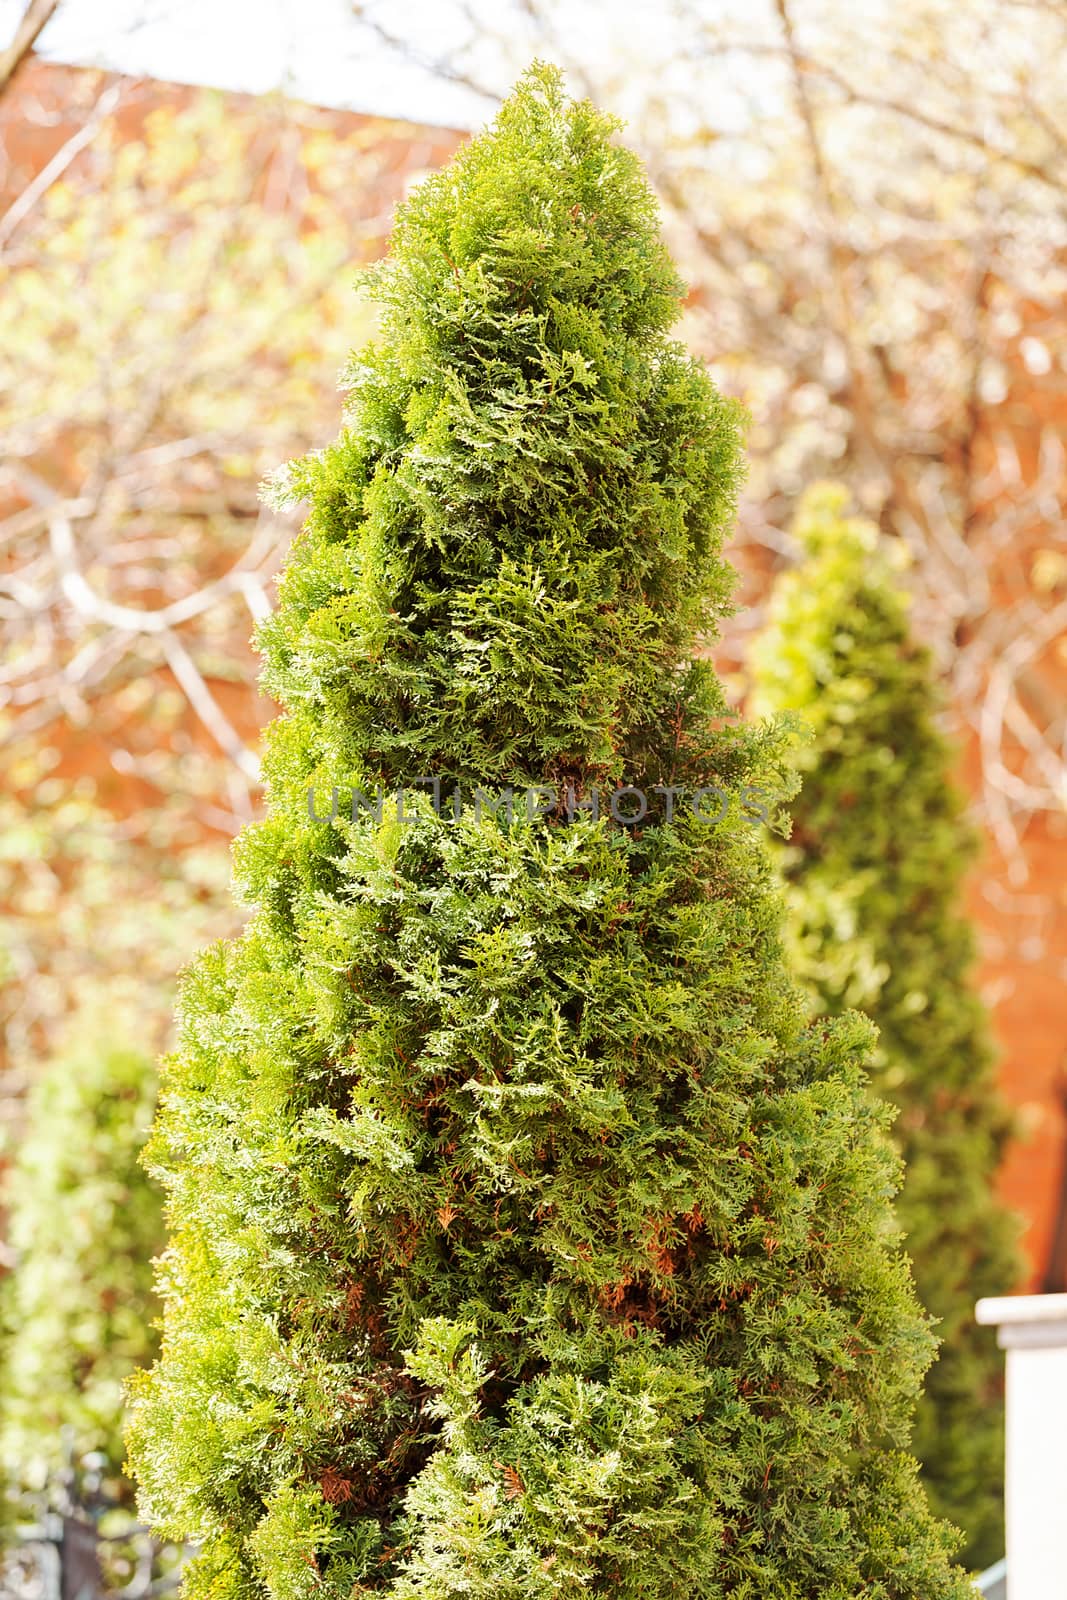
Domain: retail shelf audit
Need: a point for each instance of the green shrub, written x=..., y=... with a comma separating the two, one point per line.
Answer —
x=526, y=1242
x=874, y=869
x=77, y=1309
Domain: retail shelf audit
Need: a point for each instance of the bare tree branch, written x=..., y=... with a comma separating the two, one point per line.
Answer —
x=48, y=175
x=34, y=18
x=207, y=707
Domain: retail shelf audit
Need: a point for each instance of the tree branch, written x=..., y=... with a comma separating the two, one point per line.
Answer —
x=34, y=18
x=21, y=208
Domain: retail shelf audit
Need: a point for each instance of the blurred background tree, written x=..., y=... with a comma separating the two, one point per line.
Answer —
x=78, y=1309
x=873, y=873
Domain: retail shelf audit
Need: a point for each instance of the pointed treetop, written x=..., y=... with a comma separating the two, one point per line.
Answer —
x=823, y=522
x=543, y=207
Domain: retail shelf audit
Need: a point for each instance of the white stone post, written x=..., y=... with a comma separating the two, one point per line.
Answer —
x=1032, y=1329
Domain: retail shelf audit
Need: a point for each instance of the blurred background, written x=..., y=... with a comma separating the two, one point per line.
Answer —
x=868, y=201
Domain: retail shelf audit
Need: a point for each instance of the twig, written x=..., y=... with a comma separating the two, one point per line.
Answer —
x=36, y=15
x=207, y=707
x=21, y=208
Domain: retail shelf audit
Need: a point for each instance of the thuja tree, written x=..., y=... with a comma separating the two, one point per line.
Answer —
x=879, y=847
x=77, y=1308
x=526, y=1242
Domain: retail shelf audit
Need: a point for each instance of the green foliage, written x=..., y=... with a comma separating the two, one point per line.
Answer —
x=77, y=1310
x=875, y=865
x=526, y=1241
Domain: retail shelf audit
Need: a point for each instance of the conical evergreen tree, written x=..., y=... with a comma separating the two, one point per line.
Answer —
x=78, y=1310
x=879, y=847
x=526, y=1242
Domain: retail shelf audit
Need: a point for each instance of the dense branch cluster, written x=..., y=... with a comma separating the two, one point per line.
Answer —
x=170, y=325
